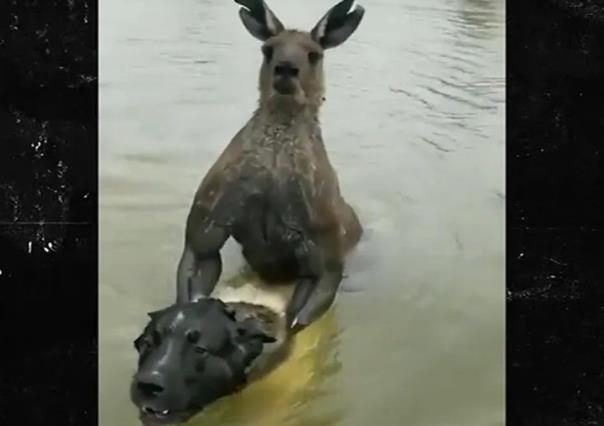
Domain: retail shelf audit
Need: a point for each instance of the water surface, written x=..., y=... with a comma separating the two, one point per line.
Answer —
x=414, y=124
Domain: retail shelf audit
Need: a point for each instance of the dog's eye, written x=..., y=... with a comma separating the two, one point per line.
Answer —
x=142, y=344
x=201, y=350
x=313, y=57
x=156, y=337
x=267, y=51
x=193, y=336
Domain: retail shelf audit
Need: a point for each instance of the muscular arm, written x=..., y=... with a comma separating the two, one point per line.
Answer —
x=198, y=272
x=316, y=288
x=200, y=265
x=322, y=296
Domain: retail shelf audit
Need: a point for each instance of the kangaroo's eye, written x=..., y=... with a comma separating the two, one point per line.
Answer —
x=314, y=57
x=267, y=51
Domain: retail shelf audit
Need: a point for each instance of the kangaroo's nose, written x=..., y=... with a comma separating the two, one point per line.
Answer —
x=286, y=69
x=151, y=385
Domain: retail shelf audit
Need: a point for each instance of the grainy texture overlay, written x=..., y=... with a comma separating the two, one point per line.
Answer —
x=555, y=187
x=48, y=211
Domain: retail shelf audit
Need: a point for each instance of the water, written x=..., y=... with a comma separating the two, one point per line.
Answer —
x=414, y=124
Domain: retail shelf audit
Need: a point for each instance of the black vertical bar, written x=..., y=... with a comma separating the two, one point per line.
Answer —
x=555, y=187
x=48, y=212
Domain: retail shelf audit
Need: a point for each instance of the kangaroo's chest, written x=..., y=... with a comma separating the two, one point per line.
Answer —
x=272, y=223
x=276, y=183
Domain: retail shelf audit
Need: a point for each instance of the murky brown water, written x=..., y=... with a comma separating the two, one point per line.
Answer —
x=414, y=124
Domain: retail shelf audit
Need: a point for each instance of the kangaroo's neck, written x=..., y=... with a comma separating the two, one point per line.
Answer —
x=282, y=110
x=284, y=119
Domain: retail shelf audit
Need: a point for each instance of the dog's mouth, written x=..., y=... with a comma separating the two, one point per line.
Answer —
x=151, y=416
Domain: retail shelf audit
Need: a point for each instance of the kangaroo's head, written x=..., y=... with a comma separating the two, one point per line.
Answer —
x=292, y=66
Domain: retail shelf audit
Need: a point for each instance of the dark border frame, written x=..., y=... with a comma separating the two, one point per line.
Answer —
x=48, y=212
x=555, y=211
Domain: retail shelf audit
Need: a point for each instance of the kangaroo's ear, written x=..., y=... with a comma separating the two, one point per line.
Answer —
x=337, y=24
x=258, y=19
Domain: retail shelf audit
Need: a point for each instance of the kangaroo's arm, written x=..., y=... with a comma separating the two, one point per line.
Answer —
x=314, y=296
x=207, y=229
x=337, y=229
x=320, y=259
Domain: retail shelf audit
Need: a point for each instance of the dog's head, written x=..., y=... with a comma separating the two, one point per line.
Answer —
x=190, y=355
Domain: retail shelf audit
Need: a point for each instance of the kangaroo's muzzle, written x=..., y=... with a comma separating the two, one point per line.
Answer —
x=285, y=77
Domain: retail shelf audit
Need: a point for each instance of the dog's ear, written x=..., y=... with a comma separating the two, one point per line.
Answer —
x=251, y=328
x=154, y=315
x=231, y=312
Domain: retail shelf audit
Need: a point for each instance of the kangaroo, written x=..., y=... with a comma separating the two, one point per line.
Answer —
x=273, y=189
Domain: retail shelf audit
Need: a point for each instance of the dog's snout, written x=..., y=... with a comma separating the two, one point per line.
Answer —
x=154, y=412
x=149, y=410
x=286, y=69
x=150, y=389
x=151, y=385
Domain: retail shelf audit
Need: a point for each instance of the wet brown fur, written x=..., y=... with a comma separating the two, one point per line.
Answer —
x=288, y=143
x=279, y=157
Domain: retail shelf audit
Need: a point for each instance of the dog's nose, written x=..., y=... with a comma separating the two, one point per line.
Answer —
x=286, y=69
x=150, y=389
x=151, y=385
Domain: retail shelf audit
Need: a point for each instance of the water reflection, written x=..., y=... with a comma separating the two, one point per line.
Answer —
x=414, y=124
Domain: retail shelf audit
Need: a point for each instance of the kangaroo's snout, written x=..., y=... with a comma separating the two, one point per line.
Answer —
x=285, y=77
x=286, y=69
